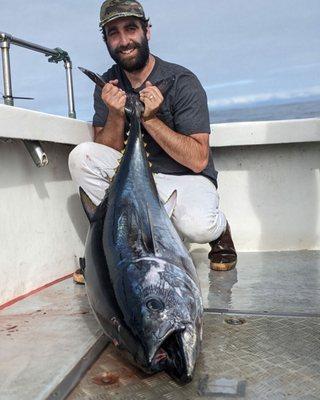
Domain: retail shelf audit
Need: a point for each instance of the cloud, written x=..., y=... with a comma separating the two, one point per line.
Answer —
x=228, y=84
x=293, y=68
x=265, y=97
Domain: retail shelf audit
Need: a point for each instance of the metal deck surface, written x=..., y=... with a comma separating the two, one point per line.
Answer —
x=274, y=354
x=270, y=357
x=43, y=339
x=274, y=282
x=48, y=340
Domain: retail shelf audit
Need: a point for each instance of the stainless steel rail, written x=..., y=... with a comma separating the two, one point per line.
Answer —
x=55, y=55
x=28, y=45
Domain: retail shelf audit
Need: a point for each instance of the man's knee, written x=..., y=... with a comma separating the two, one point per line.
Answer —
x=78, y=155
x=202, y=228
x=82, y=161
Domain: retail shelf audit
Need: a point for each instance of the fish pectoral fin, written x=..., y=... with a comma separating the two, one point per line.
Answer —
x=92, y=211
x=171, y=203
x=148, y=245
x=155, y=247
x=138, y=236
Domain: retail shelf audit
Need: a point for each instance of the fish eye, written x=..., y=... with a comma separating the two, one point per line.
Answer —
x=155, y=304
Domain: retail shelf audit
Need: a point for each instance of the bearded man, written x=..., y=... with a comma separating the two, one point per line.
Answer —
x=176, y=131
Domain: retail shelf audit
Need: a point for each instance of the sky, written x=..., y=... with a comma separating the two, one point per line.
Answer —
x=245, y=52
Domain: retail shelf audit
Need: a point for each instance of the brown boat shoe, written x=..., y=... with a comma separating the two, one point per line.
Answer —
x=78, y=275
x=223, y=256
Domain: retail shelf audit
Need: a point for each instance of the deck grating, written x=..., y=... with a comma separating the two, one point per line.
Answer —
x=275, y=354
x=265, y=358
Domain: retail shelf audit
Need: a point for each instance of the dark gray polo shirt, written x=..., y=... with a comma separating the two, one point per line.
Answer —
x=184, y=110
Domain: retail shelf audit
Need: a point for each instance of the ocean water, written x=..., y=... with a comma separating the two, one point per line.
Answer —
x=298, y=110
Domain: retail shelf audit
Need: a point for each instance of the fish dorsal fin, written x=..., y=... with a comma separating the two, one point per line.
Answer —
x=170, y=204
x=89, y=207
x=92, y=211
x=155, y=249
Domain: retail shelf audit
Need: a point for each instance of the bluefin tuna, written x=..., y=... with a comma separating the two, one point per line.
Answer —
x=141, y=281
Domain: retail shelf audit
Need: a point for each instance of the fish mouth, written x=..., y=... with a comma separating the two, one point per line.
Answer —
x=175, y=356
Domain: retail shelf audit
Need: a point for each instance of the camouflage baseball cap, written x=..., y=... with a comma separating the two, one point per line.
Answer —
x=113, y=9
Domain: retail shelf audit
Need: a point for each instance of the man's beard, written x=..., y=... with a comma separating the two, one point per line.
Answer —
x=132, y=64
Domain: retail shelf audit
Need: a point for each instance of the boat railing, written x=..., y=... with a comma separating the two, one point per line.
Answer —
x=55, y=55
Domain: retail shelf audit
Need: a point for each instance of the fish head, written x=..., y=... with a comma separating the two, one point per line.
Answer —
x=164, y=310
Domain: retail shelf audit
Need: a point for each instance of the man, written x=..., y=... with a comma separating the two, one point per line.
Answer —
x=176, y=130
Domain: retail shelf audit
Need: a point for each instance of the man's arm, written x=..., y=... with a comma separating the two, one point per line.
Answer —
x=112, y=134
x=191, y=151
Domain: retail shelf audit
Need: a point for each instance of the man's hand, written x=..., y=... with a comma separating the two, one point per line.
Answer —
x=152, y=99
x=112, y=134
x=114, y=98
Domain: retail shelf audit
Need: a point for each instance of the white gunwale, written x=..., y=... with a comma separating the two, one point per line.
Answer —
x=269, y=185
x=19, y=123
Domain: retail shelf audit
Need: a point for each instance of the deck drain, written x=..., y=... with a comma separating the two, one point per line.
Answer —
x=235, y=321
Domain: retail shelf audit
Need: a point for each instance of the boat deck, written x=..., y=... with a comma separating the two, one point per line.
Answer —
x=261, y=339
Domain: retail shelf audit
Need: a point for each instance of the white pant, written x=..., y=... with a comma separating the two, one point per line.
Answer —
x=196, y=215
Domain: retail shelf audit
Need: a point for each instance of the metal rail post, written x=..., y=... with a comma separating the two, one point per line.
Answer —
x=7, y=86
x=68, y=67
x=33, y=146
x=55, y=55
